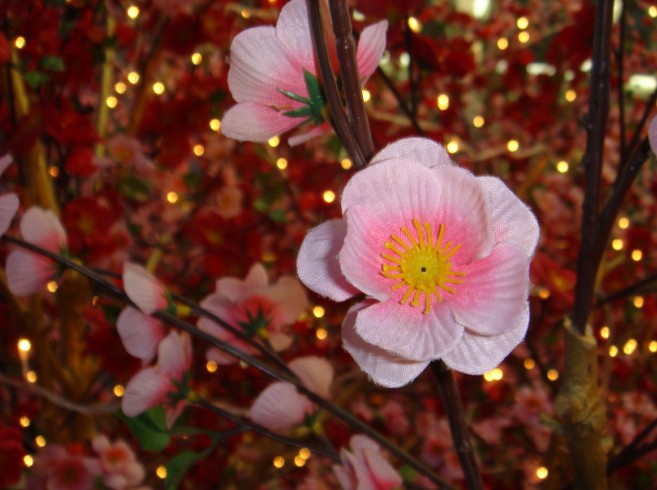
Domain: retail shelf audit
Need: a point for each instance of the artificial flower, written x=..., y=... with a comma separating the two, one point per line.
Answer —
x=119, y=464
x=63, y=468
x=273, y=77
x=140, y=333
x=260, y=309
x=144, y=289
x=8, y=202
x=281, y=407
x=364, y=467
x=28, y=272
x=443, y=257
x=164, y=383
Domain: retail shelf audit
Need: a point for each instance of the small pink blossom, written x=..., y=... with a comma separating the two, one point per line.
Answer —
x=265, y=61
x=28, y=272
x=121, y=470
x=8, y=202
x=144, y=289
x=281, y=407
x=364, y=467
x=443, y=257
x=257, y=307
x=140, y=333
x=56, y=467
x=163, y=383
x=127, y=151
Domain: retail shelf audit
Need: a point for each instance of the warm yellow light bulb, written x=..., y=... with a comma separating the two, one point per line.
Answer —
x=274, y=141
x=40, y=441
x=637, y=255
x=321, y=333
x=25, y=421
x=328, y=196
x=453, y=146
x=414, y=25
x=196, y=58
x=318, y=311
x=523, y=37
x=281, y=163
x=24, y=345
x=542, y=473
x=652, y=11
x=562, y=167
x=613, y=351
x=120, y=87
x=19, y=42
x=31, y=377
x=199, y=150
x=367, y=95
x=617, y=244
x=211, y=366
x=346, y=163
x=502, y=43
x=118, y=391
x=652, y=346
x=28, y=460
x=553, y=374
x=111, y=101
x=161, y=472
x=172, y=197
x=51, y=286
x=133, y=12
x=522, y=22
x=529, y=364
x=478, y=121
x=442, y=102
x=630, y=346
x=570, y=95
x=605, y=332
x=512, y=145
x=158, y=88
x=215, y=124
x=133, y=77
x=638, y=301
x=623, y=223
x=279, y=462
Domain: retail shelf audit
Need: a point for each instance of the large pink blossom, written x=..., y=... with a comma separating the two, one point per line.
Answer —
x=364, y=467
x=120, y=467
x=443, y=257
x=28, y=272
x=267, y=61
x=260, y=309
x=161, y=384
x=8, y=202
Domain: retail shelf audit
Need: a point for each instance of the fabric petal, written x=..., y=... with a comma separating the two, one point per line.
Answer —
x=380, y=472
x=371, y=44
x=476, y=354
x=257, y=276
x=289, y=297
x=27, y=272
x=230, y=289
x=145, y=390
x=250, y=121
x=317, y=262
x=492, y=297
x=652, y=135
x=407, y=332
x=5, y=161
x=383, y=368
x=305, y=134
x=316, y=374
x=280, y=407
x=512, y=220
x=421, y=150
x=280, y=341
x=143, y=289
x=41, y=227
x=8, y=207
x=174, y=355
x=259, y=66
x=293, y=31
x=140, y=334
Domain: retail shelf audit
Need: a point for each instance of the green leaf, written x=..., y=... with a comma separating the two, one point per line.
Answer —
x=304, y=111
x=293, y=96
x=316, y=96
x=52, y=63
x=35, y=79
x=178, y=466
x=150, y=429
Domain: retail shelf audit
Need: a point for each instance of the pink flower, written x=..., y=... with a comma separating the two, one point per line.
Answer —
x=652, y=135
x=28, y=272
x=266, y=75
x=259, y=308
x=443, y=257
x=140, y=334
x=120, y=467
x=57, y=467
x=127, y=151
x=143, y=289
x=164, y=383
x=364, y=467
x=8, y=202
x=281, y=407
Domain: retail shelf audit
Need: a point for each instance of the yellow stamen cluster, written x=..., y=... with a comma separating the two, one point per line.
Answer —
x=422, y=266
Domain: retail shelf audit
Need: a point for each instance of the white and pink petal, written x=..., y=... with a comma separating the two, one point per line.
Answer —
x=316, y=374
x=280, y=407
x=8, y=206
x=293, y=30
x=27, y=272
x=146, y=389
x=143, y=289
x=371, y=45
x=140, y=334
x=41, y=227
x=421, y=150
x=252, y=121
x=174, y=355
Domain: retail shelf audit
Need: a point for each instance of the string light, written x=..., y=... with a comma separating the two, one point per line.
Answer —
x=318, y=311
x=196, y=58
x=24, y=345
x=562, y=167
x=652, y=11
x=31, y=377
x=279, y=462
x=637, y=255
x=638, y=301
x=542, y=473
x=133, y=12
x=246, y=14
x=25, y=421
x=304, y=453
x=321, y=334
x=494, y=375
x=274, y=141
x=120, y=87
x=158, y=88
x=172, y=197
x=512, y=145
x=299, y=461
x=502, y=43
x=40, y=441
x=346, y=163
x=51, y=286
x=529, y=364
x=199, y=150
x=652, y=346
x=570, y=95
x=522, y=23
x=613, y=351
x=523, y=37
x=19, y=42
x=623, y=223
x=211, y=366
x=111, y=102
x=553, y=374
x=442, y=101
x=281, y=163
x=53, y=171
x=28, y=460
x=328, y=196
x=630, y=347
x=604, y=332
x=118, y=391
x=366, y=95
x=133, y=77
x=478, y=121
x=543, y=293
x=617, y=244
x=453, y=146
x=215, y=124
x=414, y=25
x=161, y=472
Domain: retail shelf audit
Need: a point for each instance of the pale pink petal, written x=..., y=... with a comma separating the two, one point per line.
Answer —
x=289, y=297
x=143, y=289
x=230, y=290
x=492, y=297
x=146, y=389
x=306, y=134
x=476, y=354
x=316, y=374
x=140, y=334
x=257, y=277
x=174, y=355
x=250, y=121
x=259, y=66
x=512, y=220
x=343, y=477
x=280, y=407
x=27, y=272
x=293, y=31
x=406, y=331
x=41, y=227
x=172, y=413
x=383, y=368
x=317, y=262
x=371, y=45
x=374, y=471
x=5, y=161
x=421, y=150
x=8, y=207
x=280, y=341
x=100, y=444
x=652, y=135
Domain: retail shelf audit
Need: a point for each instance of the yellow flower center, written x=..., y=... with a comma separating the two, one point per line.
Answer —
x=423, y=267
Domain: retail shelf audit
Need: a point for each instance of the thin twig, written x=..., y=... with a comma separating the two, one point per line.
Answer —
x=650, y=104
x=630, y=290
x=457, y=425
x=400, y=101
x=620, y=58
